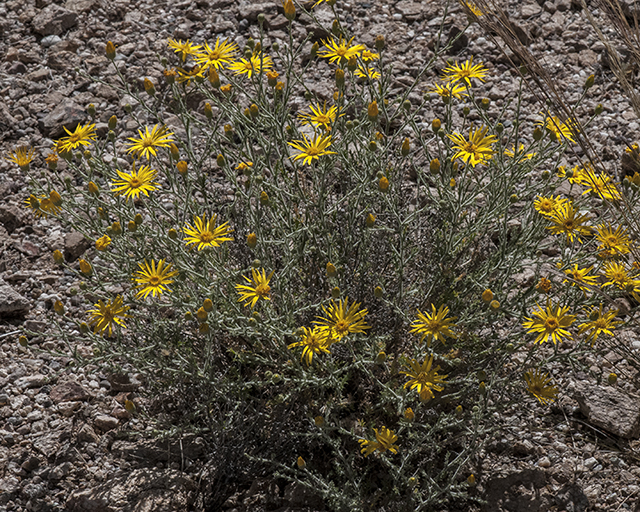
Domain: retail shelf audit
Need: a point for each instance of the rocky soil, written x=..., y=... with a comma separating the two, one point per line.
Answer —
x=67, y=441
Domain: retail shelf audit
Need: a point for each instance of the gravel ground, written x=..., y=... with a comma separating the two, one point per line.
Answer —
x=67, y=441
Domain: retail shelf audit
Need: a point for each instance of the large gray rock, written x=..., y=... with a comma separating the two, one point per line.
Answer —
x=67, y=115
x=11, y=302
x=68, y=392
x=143, y=490
x=53, y=19
x=11, y=217
x=74, y=245
x=609, y=408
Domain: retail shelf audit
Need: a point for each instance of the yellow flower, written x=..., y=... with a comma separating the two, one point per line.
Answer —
x=132, y=184
x=367, y=72
x=385, y=440
x=539, y=385
x=409, y=415
x=218, y=56
x=566, y=219
x=473, y=8
x=612, y=243
x=560, y=129
x=577, y=174
x=599, y=184
x=511, y=153
x=599, y=323
x=435, y=325
x=22, y=156
x=424, y=378
x=551, y=323
x=107, y=314
x=244, y=165
x=152, y=279
x=206, y=233
x=44, y=206
x=477, y=150
x=617, y=274
x=186, y=75
x=158, y=137
x=342, y=319
x=547, y=206
x=544, y=285
x=184, y=49
x=311, y=150
x=448, y=91
x=103, y=242
x=314, y=341
x=369, y=56
x=454, y=73
x=320, y=117
x=85, y=267
x=340, y=51
x=81, y=136
x=580, y=278
x=256, y=64
x=258, y=288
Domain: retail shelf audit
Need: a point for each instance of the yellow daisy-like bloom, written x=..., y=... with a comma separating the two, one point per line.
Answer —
x=550, y=323
x=434, y=326
x=205, y=233
x=617, y=275
x=186, y=75
x=547, y=206
x=103, y=242
x=450, y=90
x=580, y=277
x=258, y=288
x=132, y=184
x=367, y=72
x=473, y=8
x=454, y=73
x=311, y=150
x=539, y=385
x=612, y=243
x=81, y=136
x=314, y=341
x=567, y=220
x=385, y=440
x=342, y=319
x=244, y=165
x=577, y=174
x=559, y=129
x=477, y=150
x=184, y=49
x=44, y=206
x=256, y=64
x=219, y=56
x=599, y=184
x=320, y=116
x=423, y=378
x=544, y=285
x=152, y=279
x=107, y=314
x=22, y=156
x=340, y=51
x=599, y=323
x=511, y=153
x=145, y=146
x=369, y=56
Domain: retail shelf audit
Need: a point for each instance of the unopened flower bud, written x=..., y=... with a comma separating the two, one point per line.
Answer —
x=335, y=28
x=471, y=480
x=58, y=307
x=459, y=412
x=339, y=78
x=83, y=328
x=598, y=109
x=220, y=160
x=289, y=10
x=499, y=128
x=132, y=226
x=335, y=292
x=435, y=125
x=380, y=43
x=513, y=198
x=381, y=358
x=254, y=110
x=331, y=270
x=495, y=305
x=370, y=220
x=264, y=198
x=319, y=421
x=383, y=184
x=301, y=463
x=23, y=341
x=589, y=82
x=203, y=328
x=202, y=314
x=612, y=379
x=373, y=146
x=182, y=168
x=188, y=316
x=149, y=88
x=175, y=152
x=434, y=166
x=537, y=133
x=482, y=388
x=173, y=234
x=409, y=415
x=85, y=267
x=91, y=109
x=110, y=50
x=485, y=103
x=208, y=112
x=352, y=63
x=487, y=296
x=214, y=78
x=252, y=240
x=372, y=111
x=378, y=292
x=207, y=305
x=314, y=49
x=406, y=147
x=58, y=257
x=93, y=189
